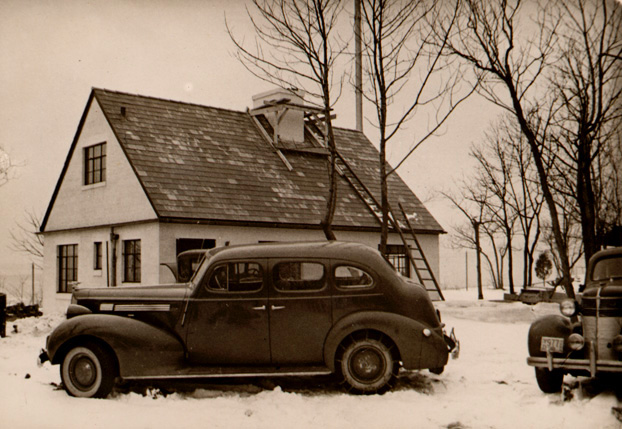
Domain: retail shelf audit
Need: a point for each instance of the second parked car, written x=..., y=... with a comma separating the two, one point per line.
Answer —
x=586, y=339
x=256, y=310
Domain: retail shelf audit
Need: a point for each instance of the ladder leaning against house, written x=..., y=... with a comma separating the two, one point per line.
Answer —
x=312, y=118
x=415, y=252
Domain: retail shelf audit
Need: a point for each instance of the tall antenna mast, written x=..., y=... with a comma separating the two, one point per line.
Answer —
x=358, y=65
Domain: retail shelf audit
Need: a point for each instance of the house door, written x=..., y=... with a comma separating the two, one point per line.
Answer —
x=300, y=311
x=228, y=318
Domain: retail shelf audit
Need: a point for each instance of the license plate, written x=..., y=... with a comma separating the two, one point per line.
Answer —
x=552, y=344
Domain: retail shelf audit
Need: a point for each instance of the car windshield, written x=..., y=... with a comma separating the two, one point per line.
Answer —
x=607, y=269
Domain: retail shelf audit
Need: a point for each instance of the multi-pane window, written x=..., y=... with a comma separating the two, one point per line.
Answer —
x=67, y=267
x=97, y=255
x=396, y=255
x=131, y=261
x=95, y=164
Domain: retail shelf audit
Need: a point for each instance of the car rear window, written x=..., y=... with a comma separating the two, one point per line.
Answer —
x=298, y=276
x=349, y=277
x=236, y=277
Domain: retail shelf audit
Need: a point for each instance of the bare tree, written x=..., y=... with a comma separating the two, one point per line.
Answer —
x=471, y=203
x=401, y=60
x=588, y=81
x=511, y=70
x=504, y=166
x=25, y=238
x=526, y=198
x=495, y=174
x=467, y=235
x=297, y=44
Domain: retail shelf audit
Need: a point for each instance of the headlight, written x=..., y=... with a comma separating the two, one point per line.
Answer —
x=576, y=342
x=568, y=307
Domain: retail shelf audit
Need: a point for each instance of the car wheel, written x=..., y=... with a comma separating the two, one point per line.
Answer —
x=88, y=371
x=367, y=365
x=549, y=381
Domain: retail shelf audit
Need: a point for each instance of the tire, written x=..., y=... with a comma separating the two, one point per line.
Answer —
x=367, y=366
x=88, y=371
x=549, y=381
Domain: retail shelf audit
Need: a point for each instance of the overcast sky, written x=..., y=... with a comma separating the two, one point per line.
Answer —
x=53, y=52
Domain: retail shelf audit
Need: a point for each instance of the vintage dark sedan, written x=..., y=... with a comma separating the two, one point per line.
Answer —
x=586, y=340
x=256, y=310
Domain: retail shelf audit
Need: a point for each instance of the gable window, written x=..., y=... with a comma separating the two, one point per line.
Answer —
x=131, y=261
x=95, y=164
x=97, y=255
x=397, y=256
x=67, y=267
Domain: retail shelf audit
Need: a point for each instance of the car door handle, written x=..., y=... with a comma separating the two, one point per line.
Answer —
x=277, y=307
x=260, y=308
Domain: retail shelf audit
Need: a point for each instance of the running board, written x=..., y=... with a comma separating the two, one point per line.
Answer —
x=233, y=372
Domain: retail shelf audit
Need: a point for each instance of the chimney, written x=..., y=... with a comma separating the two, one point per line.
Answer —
x=289, y=123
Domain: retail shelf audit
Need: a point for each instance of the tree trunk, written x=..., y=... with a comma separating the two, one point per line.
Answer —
x=560, y=242
x=586, y=201
x=384, y=198
x=510, y=261
x=331, y=200
x=480, y=292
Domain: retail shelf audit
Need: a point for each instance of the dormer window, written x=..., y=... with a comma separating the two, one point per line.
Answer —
x=95, y=164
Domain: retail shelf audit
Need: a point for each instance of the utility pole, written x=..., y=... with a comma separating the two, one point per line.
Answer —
x=358, y=66
x=466, y=266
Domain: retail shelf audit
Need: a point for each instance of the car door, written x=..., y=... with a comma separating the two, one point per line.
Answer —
x=228, y=318
x=300, y=310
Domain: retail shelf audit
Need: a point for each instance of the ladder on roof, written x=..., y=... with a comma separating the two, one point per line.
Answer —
x=345, y=171
x=414, y=253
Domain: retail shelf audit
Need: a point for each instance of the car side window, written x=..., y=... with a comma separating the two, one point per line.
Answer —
x=298, y=276
x=349, y=277
x=236, y=277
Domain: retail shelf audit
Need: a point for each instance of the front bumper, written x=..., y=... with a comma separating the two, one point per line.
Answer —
x=592, y=365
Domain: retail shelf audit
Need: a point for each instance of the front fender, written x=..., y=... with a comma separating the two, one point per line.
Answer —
x=552, y=325
x=416, y=350
x=141, y=349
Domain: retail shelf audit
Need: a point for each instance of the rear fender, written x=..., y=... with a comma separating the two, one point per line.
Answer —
x=141, y=349
x=416, y=351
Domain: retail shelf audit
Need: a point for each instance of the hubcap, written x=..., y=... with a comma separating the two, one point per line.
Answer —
x=367, y=364
x=83, y=372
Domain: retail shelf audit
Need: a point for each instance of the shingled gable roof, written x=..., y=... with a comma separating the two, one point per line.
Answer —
x=204, y=164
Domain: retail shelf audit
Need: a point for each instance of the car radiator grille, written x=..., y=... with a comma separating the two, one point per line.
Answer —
x=608, y=328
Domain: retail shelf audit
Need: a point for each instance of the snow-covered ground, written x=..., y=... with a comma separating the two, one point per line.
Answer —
x=489, y=386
